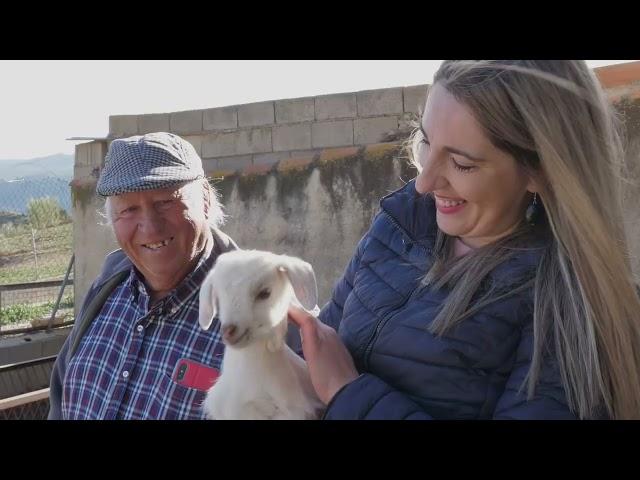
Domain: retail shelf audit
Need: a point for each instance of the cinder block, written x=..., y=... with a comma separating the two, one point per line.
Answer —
x=83, y=154
x=90, y=154
x=123, y=125
x=209, y=165
x=219, y=144
x=342, y=105
x=237, y=162
x=257, y=140
x=371, y=130
x=414, y=98
x=223, y=118
x=255, y=114
x=82, y=171
x=296, y=110
x=196, y=141
x=332, y=134
x=188, y=122
x=386, y=101
x=291, y=137
x=154, y=122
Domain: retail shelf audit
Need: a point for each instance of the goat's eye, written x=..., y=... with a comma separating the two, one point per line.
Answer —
x=264, y=294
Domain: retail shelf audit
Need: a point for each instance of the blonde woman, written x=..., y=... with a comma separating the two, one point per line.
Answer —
x=497, y=283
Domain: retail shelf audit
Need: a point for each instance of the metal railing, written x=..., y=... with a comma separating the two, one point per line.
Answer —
x=30, y=292
x=30, y=309
x=24, y=389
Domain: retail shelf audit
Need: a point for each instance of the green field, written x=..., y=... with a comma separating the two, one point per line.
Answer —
x=53, y=249
x=22, y=313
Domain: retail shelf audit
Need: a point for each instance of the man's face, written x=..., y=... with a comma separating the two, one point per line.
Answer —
x=162, y=231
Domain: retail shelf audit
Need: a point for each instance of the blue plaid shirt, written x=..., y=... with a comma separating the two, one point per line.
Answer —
x=124, y=365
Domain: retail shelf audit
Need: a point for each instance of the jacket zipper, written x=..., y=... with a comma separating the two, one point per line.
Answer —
x=382, y=322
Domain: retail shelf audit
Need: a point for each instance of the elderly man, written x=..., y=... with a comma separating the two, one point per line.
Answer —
x=136, y=350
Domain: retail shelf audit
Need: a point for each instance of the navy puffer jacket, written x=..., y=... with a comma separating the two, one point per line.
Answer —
x=475, y=371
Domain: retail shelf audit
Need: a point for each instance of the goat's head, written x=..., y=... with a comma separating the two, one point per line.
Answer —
x=250, y=292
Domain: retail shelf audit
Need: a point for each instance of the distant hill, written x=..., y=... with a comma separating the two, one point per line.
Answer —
x=21, y=180
x=58, y=165
x=15, y=194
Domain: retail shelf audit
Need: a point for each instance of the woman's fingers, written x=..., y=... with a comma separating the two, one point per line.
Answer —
x=330, y=363
x=308, y=323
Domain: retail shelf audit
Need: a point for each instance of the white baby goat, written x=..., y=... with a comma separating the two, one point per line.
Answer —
x=262, y=378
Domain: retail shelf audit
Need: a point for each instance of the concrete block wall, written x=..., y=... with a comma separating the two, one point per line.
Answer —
x=234, y=137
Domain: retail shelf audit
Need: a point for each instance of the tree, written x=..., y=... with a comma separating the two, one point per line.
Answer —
x=45, y=212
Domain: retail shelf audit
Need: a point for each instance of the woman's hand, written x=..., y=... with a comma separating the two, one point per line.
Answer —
x=330, y=364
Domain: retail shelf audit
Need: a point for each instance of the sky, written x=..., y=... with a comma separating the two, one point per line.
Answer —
x=42, y=103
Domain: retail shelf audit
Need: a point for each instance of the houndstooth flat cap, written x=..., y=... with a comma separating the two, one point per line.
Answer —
x=146, y=162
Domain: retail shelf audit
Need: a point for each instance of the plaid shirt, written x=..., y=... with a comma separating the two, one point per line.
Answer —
x=124, y=365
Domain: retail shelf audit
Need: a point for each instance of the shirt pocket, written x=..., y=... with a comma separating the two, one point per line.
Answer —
x=175, y=402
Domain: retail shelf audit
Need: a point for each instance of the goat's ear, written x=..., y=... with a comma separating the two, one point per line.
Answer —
x=208, y=304
x=302, y=279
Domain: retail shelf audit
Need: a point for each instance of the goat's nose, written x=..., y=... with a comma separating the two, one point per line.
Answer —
x=228, y=331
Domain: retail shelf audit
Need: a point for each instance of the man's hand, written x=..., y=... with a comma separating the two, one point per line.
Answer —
x=330, y=364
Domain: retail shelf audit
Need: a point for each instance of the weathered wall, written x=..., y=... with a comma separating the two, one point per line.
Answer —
x=318, y=210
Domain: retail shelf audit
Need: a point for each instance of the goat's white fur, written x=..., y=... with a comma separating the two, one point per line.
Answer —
x=262, y=378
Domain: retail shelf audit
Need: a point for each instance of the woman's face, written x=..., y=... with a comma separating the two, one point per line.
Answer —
x=479, y=190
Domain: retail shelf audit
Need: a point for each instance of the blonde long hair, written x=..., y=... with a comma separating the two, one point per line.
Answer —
x=553, y=117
